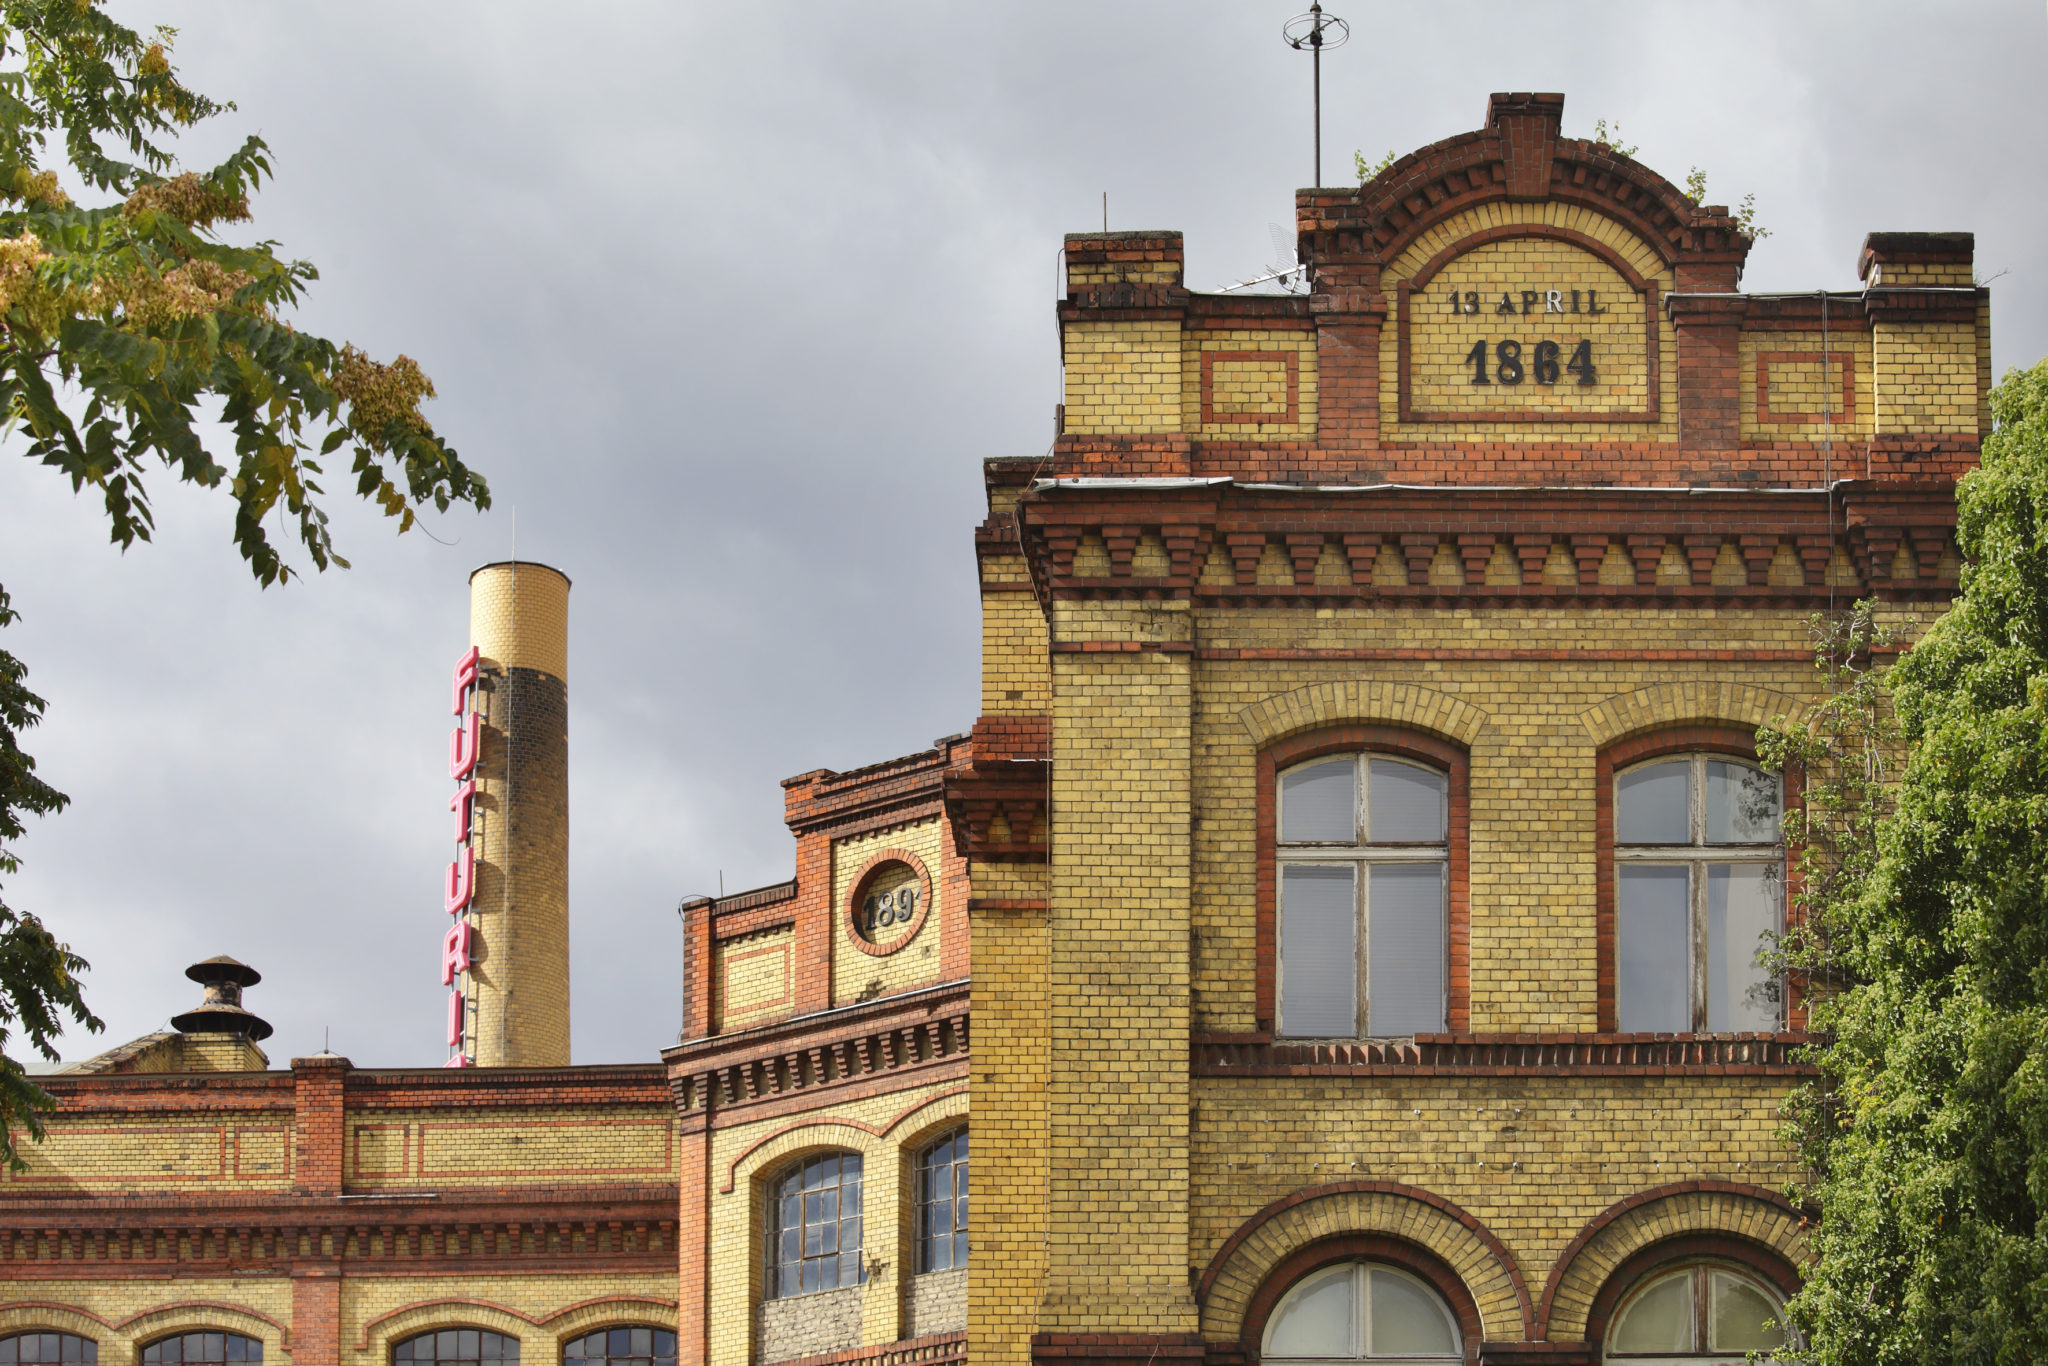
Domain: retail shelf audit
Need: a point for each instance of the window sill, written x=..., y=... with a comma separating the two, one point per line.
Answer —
x=1504, y=1055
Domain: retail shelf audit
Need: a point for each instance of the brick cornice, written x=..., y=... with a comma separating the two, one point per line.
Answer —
x=1506, y=1055
x=812, y=1059
x=1771, y=530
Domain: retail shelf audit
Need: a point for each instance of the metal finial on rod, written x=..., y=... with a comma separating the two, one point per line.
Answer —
x=1316, y=31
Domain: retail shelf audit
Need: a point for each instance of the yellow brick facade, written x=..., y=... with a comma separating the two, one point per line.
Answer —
x=1273, y=529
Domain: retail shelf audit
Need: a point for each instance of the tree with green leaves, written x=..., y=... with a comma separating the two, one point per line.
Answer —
x=132, y=329
x=1927, y=914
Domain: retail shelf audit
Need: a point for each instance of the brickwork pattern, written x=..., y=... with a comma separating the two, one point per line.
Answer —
x=1439, y=379
x=1927, y=377
x=858, y=976
x=518, y=986
x=756, y=976
x=935, y=1302
x=1243, y=383
x=1123, y=800
x=887, y=1129
x=1123, y=377
x=1787, y=394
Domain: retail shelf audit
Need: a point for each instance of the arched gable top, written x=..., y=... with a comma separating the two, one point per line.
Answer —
x=1519, y=154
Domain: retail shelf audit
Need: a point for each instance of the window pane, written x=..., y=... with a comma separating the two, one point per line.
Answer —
x=1740, y=1311
x=1318, y=951
x=1406, y=803
x=1404, y=947
x=1650, y=804
x=1316, y=1319
x=1659, y=1321
x=1407, y=1320
x=1742, y=804
x=1742, y=909
x=1319, y=804
x=1653, y=958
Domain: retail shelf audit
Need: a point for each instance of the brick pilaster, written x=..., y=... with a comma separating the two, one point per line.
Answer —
x=316, y=1314
x=317, y=1086
x=1709, y=330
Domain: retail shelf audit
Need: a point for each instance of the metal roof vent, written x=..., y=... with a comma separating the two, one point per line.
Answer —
x=221, y=1012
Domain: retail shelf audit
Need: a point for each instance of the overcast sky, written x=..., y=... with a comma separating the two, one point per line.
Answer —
x=728, y=302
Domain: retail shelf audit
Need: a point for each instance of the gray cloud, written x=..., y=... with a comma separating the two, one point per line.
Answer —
x=729, y=302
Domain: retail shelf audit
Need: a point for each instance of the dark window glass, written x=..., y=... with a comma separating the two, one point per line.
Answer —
x=457, y=1347
x=942, y=1204
x=627, y=1346
x=201, y=1349
x=813, y=1231
x=48, y=1349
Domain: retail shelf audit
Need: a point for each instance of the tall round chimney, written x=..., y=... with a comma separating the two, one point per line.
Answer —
x=517, y=1001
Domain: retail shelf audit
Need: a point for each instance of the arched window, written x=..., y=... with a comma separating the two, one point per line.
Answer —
x=457, y=1347
x=942, y=1203
x=1362, y=861
x=813, y=1233
x=1705, y=1312
x=1362, y=1311
x=48, y=1349
x=622, y=1347
x=201, y=1349
x=1699, y=879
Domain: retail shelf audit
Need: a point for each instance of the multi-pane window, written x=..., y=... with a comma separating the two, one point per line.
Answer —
x=622, y=1347
x=48, y=1349
x=457, y=1347
x=1699, y=881
x=1362, y=868
x=202, y=1349
x=1362, y=1312
x=1702, y=1313
x=942, y=1204
x=813, y=1233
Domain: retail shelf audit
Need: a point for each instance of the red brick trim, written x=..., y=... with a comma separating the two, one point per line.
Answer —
x=938, y=1347
x=1646, y=293
x=1389, y=654
x=316, y=1313
x=362, y=1342
x=1511, y=231
x=725, y=1185
x=1213, y=416
x=1409, y=744
x=1637, y=1201
x=859, y=888
x=1764, y=359
x=1416, y=1193
x=1411, y=1257
x=197, y=1309
x=1711, y=737
x=1508, y=1055
x=1698, y=1247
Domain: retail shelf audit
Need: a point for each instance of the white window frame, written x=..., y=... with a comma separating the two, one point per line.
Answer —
x=1361, y=854
x=1696, y=856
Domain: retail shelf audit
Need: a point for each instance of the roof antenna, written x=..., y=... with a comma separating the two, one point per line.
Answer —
x=1316, y=31
x=1105, y=210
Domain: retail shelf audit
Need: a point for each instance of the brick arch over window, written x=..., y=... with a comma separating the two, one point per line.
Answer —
x=1379, y=739
x=1679, y=704
x=1376, y=1220
x=1323, y=705
x=380, y=1334
x=1736, y=741
x=1749, y=1225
